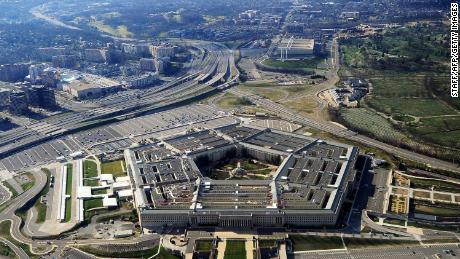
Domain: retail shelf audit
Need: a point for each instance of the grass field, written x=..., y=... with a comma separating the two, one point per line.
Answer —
x=442, y=196
x=421, y=194
x=271, y=93
x=69, y=180
x=146, y=253
x=394, y=222
x=68, y=210
x=308, y=64
x=115, y=168
x=427, y=184
x=30, y=183
x=98, y=192
x=398, y=84
x=5, y=227
x=40, y=207
x=119, y=31
x=229, y=101
x=6, y=251
x=267, y=243
x=419, y=107
x=89, y=169
x=304, y=104
x=352, y=56
x=235, y=249
x=356, y=243
x=441, y=130
x=90, y=182
x=305, y=243
x=203, y=245
x=414, y=91
x=368, y=121
x=68, y=191
x=444, y=212
x=92, y=203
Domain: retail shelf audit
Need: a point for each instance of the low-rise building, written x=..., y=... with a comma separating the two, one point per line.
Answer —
x=142, y=81
x=92, y=86
x=96, y=55
x=295, y=48
x=65, y=61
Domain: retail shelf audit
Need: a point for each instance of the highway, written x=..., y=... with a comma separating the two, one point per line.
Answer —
x=215, y=65
x=22, y=199
x=295, y=117
x=17, y=203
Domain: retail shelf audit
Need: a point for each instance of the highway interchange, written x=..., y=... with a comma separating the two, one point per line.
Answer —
x=124, y=118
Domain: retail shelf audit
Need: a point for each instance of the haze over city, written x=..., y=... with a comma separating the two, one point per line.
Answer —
x=229, y=129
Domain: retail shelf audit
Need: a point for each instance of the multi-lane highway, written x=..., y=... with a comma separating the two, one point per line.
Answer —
x=215, y=70
x=293, y=116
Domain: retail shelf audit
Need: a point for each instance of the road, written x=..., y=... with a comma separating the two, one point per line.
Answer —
x=403, y=252
x=295, y=117
x=119, y=106
x=18, y=251
x=20, y=201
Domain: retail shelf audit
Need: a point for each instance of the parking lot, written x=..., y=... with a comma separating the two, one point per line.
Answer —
x=118, y=136
x=276, y=124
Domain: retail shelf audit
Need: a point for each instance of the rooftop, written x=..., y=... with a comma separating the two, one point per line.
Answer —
x=311, y=176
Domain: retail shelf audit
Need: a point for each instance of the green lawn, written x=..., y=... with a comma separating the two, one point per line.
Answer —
x=267, y=243
x=5, y=227
x=30, y=183
x=427, y=184
x=69, y=180
x=91, y=204
x=310, y=63
x=68, y=191
x=235, y=249
x=89, y=169
x=164, y=254
x=203, y=245
x=232, y=101
x=419, y=107
x=68, y=210
x=98, y=192
x=6, y=251
x=394, y=222
x=398, y=84
x=442, y=130
x=304, y=243
x=356, y=243
x=40, y=207
x=438, y=211
x=115, y=168
x=92, y=182
x=368, y=121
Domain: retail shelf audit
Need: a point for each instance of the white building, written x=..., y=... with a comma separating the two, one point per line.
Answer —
x=291, y=48
x=92, y=86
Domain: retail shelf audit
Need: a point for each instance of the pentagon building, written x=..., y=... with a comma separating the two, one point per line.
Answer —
x=307, y=188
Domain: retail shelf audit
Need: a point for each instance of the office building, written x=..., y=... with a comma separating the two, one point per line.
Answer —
x=13, y=72
x=173, y=186
x=18, y=104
